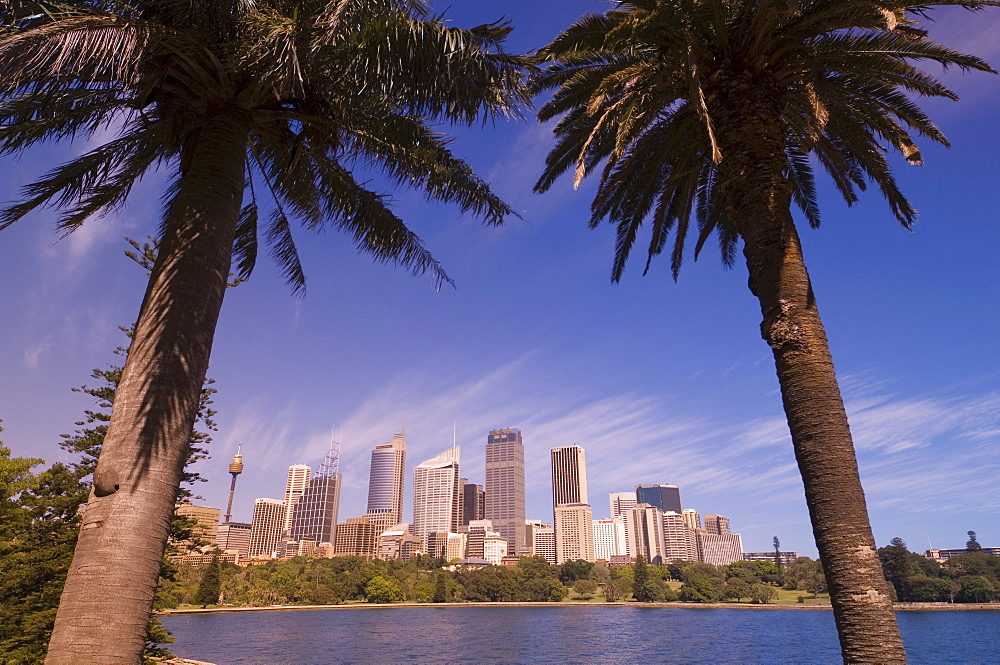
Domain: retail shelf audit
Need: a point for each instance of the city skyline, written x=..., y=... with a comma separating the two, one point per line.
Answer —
x=661, y=382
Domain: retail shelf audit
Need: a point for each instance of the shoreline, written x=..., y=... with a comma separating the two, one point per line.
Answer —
x=905, y=607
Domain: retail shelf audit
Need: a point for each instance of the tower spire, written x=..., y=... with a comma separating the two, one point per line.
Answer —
x=235, y=469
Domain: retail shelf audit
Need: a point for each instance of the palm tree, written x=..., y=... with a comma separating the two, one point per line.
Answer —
x=720, y=110
x=284, y=99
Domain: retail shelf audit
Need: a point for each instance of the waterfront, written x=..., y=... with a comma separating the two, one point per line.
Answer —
x=562, y=635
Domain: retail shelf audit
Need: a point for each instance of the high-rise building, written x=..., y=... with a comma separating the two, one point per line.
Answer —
x=235, y=536
x=717, y=525
x=358, y=537
x=620, y=502
x=543, y=543
x=692, y=518
x=719, y=549
x=680, y=542
x=436, y=494
x=574, y=527
x=473, y=503
x=315, y=515
x=644, y=530
x=268, y=523
x=665, y=497
x=569, y=475
x=609, y=538
x=505, y=487
x=295, y=485
x=388, y=473
x=206, y=526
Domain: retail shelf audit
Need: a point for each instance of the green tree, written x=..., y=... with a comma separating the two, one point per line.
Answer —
x=440, y=589
x=211, y=583
x=640, y=578
x=383, y=590
x=700, y=588
x=762, y=594
x=972, y=545
x=288, y=98
x=976, y=589
x=571, y=571
x=720, y=110
x=898, y=567
x=585, y=588
x=736, y=588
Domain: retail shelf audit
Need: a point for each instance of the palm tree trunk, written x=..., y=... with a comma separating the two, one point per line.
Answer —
x=759, y=202
x=107, y=600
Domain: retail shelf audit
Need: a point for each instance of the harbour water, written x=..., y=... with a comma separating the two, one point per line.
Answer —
x=562, y=635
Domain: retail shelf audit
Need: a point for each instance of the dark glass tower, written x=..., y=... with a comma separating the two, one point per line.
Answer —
x=665, y=497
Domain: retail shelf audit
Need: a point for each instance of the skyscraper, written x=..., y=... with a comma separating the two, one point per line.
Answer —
x=473, y=503
x=573, y=523
x=569, y=476
x=436, y=494
x=505, y=487
x=665, y=497
x=692, y=518
x=385, y=485
x=609, y=538
x=295, y=486
x=717, y=525
x=268, y=522
x=620, y=502
x=315, y=515
x=574, y=527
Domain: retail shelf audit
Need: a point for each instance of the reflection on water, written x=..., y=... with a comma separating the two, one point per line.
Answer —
x=561, y=635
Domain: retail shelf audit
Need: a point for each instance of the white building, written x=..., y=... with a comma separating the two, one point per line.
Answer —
x=691, y=518
x=679, y=540
x=543, y=543
x=436, y=504
x=620, y=502
x=295, y=486
x=267, y=526
x=609, y=538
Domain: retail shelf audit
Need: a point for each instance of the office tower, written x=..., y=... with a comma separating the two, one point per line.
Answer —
x=235, y=536
x=268, y=523
x=692, y=518
x=315, y=515
x=505, y=486
x=620, y=502
x=719, y=549
x=435, y=494
x=609, y=538
x=206, y=526
x=295, y=486
x=574, y=527
x=473, y=503
x=385, y=485
x=396, y=543
x=235, y=469
x=665, y=497
x=680, y=542
x=358, y=536
x=717, y=524
x=569, y=475
x=543, y=543
x=644, y=530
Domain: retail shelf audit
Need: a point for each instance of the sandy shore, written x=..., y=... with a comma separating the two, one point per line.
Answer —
x=921, y=607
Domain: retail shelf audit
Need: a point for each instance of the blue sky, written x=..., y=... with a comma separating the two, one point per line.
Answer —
x=660, y=382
